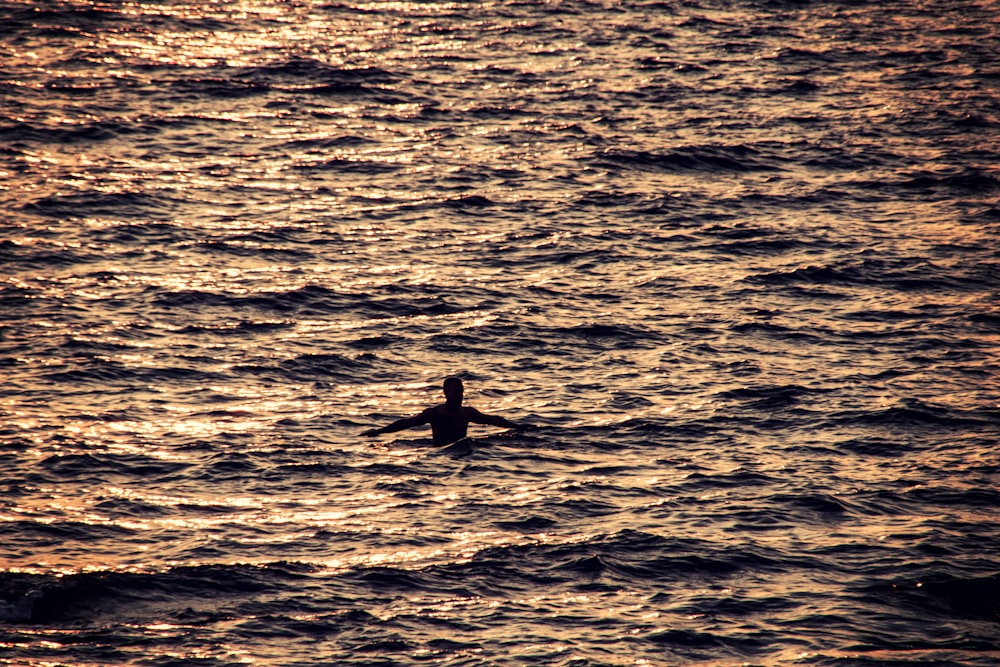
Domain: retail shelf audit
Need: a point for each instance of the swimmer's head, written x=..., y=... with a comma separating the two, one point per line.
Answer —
x=453, y=389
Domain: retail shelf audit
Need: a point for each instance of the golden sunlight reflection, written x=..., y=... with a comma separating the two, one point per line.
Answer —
x=726, y=287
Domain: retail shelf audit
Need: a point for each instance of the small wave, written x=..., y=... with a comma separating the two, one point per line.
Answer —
x=970, y=180
x=97, y=370
x=625, y=556
x=694, y=158
x=311, y=297
x=822, y=275
x=916, y=415
x=308, y=367
x=528, y=524
x=349, y=166
x=144, y=232
x=327, y=142
x=316, y=627
x=36, y=534
x=700, y=482
x=302, y=76
x=253, y=249
x=905, y=274
x=76, y=466
x=769, y=397
x=89, y=597
x=375, y=342
x=813, y=505
x=938, y=496
x=18, y=134
x=316, y=71
x=120, y=204
x=875, y=446
x=42, y=256
x=679, y=639
x=69, y=15
x=239, y=328
x=597, y=331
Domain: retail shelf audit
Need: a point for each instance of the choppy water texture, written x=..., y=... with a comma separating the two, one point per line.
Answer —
x=736, y=261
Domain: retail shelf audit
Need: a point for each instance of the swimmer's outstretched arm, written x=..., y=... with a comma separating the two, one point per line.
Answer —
x=400, y=425
x=477, y=417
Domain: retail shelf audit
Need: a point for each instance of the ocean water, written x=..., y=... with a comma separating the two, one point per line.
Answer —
x=736, y=262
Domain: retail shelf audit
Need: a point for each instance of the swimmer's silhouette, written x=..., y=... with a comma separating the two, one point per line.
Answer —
x=450, y=421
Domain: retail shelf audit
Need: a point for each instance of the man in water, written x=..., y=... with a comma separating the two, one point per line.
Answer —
x=450, y=421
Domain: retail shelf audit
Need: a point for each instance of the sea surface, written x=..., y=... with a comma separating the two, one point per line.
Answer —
x=736, y=264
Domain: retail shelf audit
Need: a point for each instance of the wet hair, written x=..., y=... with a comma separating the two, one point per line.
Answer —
x=452, y=379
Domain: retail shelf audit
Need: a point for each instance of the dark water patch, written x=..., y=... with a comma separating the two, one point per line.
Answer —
x=886, y=502
x=80, y=466
x=769, y=397
x=469, y=202
x=755, y=520
x=375, y=342
x=992, y=318
x=298, y=69
x=407, y=489
x=708, y=158
x=628, y=556
x=221, y=87
x=251, y=249
x=80, y=17
x=821, y=275
x=892, y=315
x=780, y=331
x=301, y=76
x=121, y=204
x=758, y=247
x=484, y=339
x=49, y=534
x=697, y=482
x=349, y=166
x=227, y=464
x=876, y=446
x=984, y=498
x=14, y=297
x=41, y=256
x=964, y=182
x=605, y=332
x=82, y=345
x=91, y=598
x=976, y=597
x=815, y=506
x=693, y=643
x=145, y=232
x=17, y=134
x=944, y=598
x=382, y=580
x=969, y=180
x=336, y=624
x=97, y=371
x=240, y=329
x=410, y=307
x=528, y=524
x=799, y=87
x=131, y=508
x=905, y=274
x=915, y=414
x=307, y=299
x=321, y=143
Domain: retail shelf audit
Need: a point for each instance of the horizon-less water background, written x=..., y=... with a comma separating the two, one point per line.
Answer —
x=736, y=262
